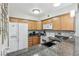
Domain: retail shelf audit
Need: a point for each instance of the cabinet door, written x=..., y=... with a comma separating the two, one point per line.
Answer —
x=47, y=24
x=47, y=21
x=29, y=25
x=44, y=22
x=30, y=43
x=13, y=37
x=13, y=20
x=23, y=36
x=67, y=23
x=39, y=25
x=36, y=40
x=56, y=23
x=32, y=25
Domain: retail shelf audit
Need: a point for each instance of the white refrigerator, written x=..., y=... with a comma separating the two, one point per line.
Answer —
x=18, y=36
x=23, y=36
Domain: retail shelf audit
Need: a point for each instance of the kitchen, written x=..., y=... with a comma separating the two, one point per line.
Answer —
x=42, y=29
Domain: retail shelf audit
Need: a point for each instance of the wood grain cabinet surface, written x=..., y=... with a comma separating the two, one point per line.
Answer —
x=34, y=25
x=33, y=40
x=61, y=22
x=30, y=42
x=48, y=21
x=67, y=22
x=47, y=24
x=39, y=25
x=56, y=23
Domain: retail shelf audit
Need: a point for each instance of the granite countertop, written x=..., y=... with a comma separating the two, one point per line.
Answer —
x=64, y=48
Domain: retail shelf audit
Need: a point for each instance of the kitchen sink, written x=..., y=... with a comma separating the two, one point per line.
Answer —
x=48, y=44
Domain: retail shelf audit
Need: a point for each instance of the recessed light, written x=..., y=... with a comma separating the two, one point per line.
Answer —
x=56, y=4
x=36, y=11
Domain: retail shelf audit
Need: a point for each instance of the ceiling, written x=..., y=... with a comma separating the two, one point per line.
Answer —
x=26, y=8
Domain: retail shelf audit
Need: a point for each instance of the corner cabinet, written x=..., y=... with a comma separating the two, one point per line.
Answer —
x=56, y=23
x=47, y=24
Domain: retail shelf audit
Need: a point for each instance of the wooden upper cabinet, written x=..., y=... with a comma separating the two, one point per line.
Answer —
x=39, y=25
x=17, y=20
x=29, y=25
x=47, y=24
x=48, y=21
x=56, y=23
x=67, y=22
x=11, y=19
x=32, y=25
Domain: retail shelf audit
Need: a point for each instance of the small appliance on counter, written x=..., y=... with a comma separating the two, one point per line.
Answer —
x=40, y=33
x=32, y=33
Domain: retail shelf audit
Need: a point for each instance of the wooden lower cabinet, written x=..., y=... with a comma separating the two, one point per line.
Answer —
x=30, y=42
x=33, y=40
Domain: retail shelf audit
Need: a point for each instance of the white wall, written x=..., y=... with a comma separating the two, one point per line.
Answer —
x=13, y=12
x=77, y=24
x=77, y=34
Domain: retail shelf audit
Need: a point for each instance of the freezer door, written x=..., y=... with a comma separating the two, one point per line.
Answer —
x=13, y=37
x=23, y=36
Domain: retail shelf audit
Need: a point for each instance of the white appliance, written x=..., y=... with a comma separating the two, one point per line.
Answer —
x=23, y=36
x=13, y=37
x=18, y=36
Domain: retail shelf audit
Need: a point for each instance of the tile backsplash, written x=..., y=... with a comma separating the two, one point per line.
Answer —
x=52, y=33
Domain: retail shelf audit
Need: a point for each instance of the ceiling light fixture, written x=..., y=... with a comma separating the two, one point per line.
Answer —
x=56, y=4
x=36, y=11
